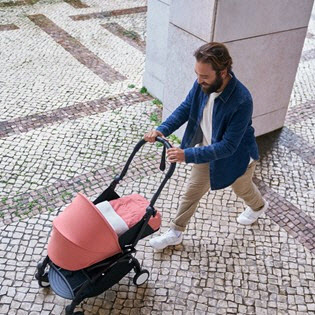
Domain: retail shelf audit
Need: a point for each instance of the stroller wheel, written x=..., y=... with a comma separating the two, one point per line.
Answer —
x=42, y=276
x=69, y=311
x=141, y=277
x=43, y=280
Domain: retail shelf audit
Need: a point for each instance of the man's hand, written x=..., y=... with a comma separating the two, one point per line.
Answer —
x=175, y=155
x=151, y=135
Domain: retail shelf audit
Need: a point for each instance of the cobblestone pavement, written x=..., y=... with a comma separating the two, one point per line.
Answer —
x=71, y=111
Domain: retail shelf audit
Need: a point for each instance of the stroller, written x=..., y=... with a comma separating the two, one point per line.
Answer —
x=92, y=245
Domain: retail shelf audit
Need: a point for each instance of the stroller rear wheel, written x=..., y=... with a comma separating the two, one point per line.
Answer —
x=141, y=277
x=43, y=280
x=42, y=276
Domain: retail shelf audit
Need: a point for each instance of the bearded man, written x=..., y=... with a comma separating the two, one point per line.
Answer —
x=219, y=140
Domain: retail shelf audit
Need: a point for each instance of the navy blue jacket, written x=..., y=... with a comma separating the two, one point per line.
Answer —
x=233, y=141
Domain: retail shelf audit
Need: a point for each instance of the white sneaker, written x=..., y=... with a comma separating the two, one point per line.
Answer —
x=249, y=216
x=171, y=237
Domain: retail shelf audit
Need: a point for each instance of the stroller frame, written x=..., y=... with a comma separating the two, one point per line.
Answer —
x=96, y=279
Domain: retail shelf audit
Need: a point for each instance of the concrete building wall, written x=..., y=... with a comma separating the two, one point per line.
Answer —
x=265, y=39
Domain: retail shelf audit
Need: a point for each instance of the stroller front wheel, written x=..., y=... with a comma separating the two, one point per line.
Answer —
x=141, y=277
x=70, y=311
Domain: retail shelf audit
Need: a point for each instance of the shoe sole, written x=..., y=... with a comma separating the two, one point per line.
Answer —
x=159, y=247
x=242, y=223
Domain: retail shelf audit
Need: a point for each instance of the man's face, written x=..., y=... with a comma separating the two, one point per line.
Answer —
x=209, y=80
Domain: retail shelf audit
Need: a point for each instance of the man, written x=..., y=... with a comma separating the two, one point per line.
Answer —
x=219, y=139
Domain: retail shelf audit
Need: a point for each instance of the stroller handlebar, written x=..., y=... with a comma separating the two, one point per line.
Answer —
x=170, y=172
x=164, y=142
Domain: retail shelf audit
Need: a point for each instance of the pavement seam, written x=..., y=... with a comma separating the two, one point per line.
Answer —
x=287, y=138
x=299, y=113
x=10, y=4
x=298, y=145
x=77, y=4
x=72, y=112
x=308, y=55
x=8, y=27
x=77, y=49
x=295, y=221
x=105, y=14
x=61, y=192
x=132, y=38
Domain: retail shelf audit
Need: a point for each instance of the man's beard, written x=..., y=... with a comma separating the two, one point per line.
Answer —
x=214, y=86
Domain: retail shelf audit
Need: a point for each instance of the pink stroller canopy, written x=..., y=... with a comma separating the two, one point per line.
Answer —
x=82, y=236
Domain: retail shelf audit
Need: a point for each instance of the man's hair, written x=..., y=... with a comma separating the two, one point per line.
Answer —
x=215, y=54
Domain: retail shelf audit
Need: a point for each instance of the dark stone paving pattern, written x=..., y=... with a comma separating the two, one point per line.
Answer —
x=71, y=148
x=290, y=140
x=131, y=37
x=105, y=14
x=8, y=27
x=297, y=145
x=63, y=191
x=78, y=4
x=297, y=223
x=76, y=49
x=308, y=55
x=300, y=113
x=73, y=112
x=10, y=4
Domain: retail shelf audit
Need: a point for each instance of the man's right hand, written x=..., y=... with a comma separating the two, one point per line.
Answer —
x=151, y=135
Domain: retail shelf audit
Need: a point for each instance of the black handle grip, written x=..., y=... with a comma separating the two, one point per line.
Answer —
x=164, y=142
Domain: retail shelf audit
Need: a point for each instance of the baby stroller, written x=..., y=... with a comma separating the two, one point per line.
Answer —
x=92, y=244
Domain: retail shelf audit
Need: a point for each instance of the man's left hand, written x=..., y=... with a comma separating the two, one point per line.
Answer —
x=175, y=155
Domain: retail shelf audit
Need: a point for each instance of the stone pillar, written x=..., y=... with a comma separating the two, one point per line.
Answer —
x=156, y=46
x=265, y=39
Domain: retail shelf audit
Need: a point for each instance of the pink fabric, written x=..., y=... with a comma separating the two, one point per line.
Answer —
x=81, y=236
x=132, y=208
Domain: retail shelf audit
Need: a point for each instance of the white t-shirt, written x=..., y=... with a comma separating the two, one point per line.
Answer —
x=206, y=121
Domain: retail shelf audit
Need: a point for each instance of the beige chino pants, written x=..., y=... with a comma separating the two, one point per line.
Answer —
x=199, y=184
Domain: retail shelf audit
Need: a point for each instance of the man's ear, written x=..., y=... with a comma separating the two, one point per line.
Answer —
x=224, y=73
